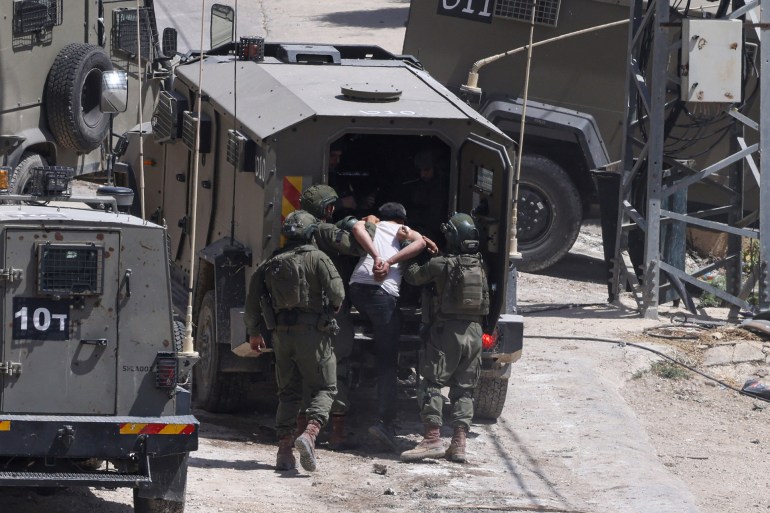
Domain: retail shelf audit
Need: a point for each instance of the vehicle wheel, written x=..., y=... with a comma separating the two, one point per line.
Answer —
x=144, y=505
x=549, y=215
x=178, y=336
x=489, y=397
x=214, y=391
x=73, y=95
x=20, y=181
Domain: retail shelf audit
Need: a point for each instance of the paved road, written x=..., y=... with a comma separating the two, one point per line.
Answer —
x=378, y=22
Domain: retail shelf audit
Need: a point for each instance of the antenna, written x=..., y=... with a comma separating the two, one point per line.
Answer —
x=187, y=346
x=514, y=252
x=235, y=125
x=140, y=106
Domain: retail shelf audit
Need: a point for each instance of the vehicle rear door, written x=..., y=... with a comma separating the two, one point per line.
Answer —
x=60, y=321
x=485, y=187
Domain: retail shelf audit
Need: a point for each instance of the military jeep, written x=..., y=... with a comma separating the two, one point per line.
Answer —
x=275, y=118
x=94, y=388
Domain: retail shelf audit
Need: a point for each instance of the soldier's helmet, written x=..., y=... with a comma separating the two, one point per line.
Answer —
x=316, y=198
x=299, y=225
x=461, y=233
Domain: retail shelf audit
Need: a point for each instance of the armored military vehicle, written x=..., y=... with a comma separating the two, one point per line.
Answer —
x=94, y=388
x=275, y=118
x=576, y=98
x=51, y=62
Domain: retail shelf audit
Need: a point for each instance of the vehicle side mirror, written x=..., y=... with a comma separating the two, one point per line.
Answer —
x=170, y=38
x=222, y=28
x=114, y=97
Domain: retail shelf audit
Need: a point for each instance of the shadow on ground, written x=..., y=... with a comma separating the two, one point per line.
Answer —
x=388, y=17
x=60, y=500
x=579, y=267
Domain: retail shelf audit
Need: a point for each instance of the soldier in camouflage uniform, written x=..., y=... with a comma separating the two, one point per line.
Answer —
x=452, y=355
x=301, y=335
x=337, y=242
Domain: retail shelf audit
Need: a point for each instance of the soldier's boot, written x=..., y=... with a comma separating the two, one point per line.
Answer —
x=430, y=447
x=456, y=450
x=285, y=458
x=338, y=439
x=305, y=444
x=301, y=424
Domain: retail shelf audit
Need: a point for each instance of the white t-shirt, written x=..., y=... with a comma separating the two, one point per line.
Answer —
x=387, y=244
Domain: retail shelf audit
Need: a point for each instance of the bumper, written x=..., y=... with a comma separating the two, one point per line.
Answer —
x=496, y=361
x=72, y=437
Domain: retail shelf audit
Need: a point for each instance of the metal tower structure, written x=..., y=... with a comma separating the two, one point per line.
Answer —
x=679, y=148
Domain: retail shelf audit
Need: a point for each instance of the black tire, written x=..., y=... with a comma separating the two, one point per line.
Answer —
x=178, y=336
x=489, y=398
x=22, y=173
x=549, y=213
x=214, y=391
x=144, y=505
x=73, y=93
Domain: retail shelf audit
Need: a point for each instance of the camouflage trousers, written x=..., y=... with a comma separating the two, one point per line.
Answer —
x=342, y=345
x=452, y=357
x=303, y=358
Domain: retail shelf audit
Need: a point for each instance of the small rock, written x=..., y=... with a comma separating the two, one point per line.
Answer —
x=747, y=352
x=390, y=491
x=720, y=355
x=755, y=441
x=380, y=469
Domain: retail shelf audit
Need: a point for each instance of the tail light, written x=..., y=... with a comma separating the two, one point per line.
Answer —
x=4, y=178
x=489, y=341
x=166, y=367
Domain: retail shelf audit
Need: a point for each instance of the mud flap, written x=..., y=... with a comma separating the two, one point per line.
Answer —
x=168, y=478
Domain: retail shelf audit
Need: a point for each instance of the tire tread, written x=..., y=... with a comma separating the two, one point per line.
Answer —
x=489, y=397
x=62, y=84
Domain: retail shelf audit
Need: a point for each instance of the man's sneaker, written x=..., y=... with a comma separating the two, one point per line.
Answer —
x=385, y=434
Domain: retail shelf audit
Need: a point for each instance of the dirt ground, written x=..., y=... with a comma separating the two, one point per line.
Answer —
x=703, y=433
x=590, y=425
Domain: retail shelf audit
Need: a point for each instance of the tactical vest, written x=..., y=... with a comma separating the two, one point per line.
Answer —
x=465, y=286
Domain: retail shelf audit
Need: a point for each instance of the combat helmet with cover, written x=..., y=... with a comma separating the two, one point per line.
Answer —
x=317, y=198
x=461, y=233
x=299, y=225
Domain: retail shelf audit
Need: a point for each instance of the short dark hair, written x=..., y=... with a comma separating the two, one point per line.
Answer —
x=392, y=211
